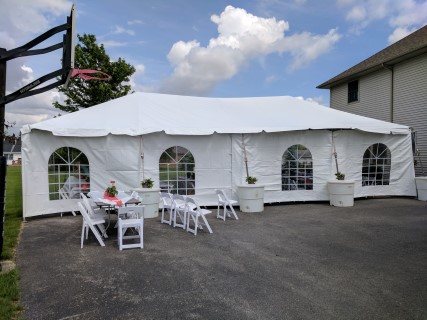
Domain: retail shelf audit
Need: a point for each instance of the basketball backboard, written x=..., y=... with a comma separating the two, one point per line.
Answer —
x=69, y=47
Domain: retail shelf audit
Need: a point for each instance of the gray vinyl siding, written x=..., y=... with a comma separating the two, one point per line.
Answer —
x=410, y=102
x=374, y=96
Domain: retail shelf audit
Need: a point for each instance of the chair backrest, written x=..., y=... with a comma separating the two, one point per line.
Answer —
x=87, y=203
x=135, y=195
x=191, y=204
x=136, y=212
x=178, y=199
x=166, y=198
x=63, y=194
x=221, y=195
x=85, y=213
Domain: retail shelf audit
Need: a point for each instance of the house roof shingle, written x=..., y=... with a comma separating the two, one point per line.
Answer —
x=412, y=45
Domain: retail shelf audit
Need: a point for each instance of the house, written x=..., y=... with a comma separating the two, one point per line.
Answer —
x=391, y=86
x=12, y=151
x=195, y=145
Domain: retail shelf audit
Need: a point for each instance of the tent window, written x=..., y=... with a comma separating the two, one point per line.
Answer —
x=68, y=173
x=176, y=168
x=297, y=169
x=376, y=165
x=353, y=91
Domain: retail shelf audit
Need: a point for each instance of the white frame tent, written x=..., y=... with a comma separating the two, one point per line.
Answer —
x=123, y=140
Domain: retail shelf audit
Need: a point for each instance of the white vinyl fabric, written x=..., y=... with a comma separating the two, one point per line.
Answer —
x=142, y=113
x=124, y=139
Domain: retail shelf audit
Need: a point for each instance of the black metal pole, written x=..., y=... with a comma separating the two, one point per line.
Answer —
x=2, y=158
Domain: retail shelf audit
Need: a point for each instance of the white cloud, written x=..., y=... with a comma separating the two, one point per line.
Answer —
x=113, y=43
x=357, y=13
x=133, y=22
x=21, y=22
x=139, y=68
x=306, y=47
x=31, y=110
x=241, y=38
x=404, y=16
x=121, y=30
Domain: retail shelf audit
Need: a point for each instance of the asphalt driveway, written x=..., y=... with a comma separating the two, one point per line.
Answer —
x=294, y=261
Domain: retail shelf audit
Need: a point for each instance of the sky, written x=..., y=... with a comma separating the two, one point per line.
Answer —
x=211, y=48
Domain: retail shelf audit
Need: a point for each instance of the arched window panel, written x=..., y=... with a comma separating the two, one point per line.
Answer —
x=68, y=174
x=376, y=165
x=176, y=168
x=297, y=169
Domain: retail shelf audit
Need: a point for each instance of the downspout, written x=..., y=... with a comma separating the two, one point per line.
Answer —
x=388, y=67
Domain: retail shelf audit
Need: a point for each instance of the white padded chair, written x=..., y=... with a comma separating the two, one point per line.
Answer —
x=224, y=202
x=167, y=204
x=136, y=223
x=167, y=207
x=90, y=223
x=196, y=216
x=179, y=208
x=64, y=195
x=95, y=213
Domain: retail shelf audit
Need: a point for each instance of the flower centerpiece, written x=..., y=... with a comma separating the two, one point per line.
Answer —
x=111, y=191
x=251, y=180
x=340, y=175
x=147, y=183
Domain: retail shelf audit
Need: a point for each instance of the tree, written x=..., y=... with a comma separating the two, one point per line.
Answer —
x=84, y=94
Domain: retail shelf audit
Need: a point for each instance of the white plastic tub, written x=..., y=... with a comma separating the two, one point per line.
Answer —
x=150, y=199
x=341, y=193
x=421, y=183
x=251, y=197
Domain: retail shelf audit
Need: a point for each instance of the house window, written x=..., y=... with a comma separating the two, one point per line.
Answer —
x=376, y=165
x=68, y=174
x=353, y=91
x=297, y=169
x=176, y=168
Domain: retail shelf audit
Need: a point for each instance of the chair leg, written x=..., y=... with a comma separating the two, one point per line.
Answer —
x=218, y=216
x=206, y=223
x=97, y=235
x=83, y=234
x=234, y=212
x=120, y=236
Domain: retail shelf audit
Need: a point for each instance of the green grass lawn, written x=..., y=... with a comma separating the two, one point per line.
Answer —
x=9, y=289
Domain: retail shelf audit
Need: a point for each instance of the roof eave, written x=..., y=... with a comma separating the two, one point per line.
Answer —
x=329, y=84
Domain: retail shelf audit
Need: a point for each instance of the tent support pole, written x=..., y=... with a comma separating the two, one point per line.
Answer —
x=245, y=155
x=141, y=151
x=335, y=151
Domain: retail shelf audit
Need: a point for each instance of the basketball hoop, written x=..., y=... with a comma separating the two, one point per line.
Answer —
x=83, y=73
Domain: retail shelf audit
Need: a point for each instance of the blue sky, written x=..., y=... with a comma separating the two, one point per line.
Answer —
x=210, y=48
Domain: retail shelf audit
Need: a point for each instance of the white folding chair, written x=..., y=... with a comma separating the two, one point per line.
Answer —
x=136, y=222
x=225, y=202
x=167, y=206
x=195, y=213
x=179, y=211
x=95, y=213
x=64, y=196
x=90, y=223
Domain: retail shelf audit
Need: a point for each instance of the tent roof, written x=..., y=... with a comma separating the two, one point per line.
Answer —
x=142, y=113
